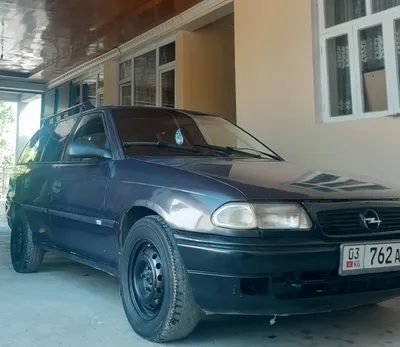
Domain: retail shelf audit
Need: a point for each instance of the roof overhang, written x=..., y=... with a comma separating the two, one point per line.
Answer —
x=21, y=85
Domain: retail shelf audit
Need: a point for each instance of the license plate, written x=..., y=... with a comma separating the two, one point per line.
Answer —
x=369, y=258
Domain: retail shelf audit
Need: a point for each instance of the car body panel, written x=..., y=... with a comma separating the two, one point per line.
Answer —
x=35, y=198
x=264, y=179
x=185, y=200
x=78, y=203
x=77, y=210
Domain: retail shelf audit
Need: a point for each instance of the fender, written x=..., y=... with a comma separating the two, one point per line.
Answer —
x=178, y=196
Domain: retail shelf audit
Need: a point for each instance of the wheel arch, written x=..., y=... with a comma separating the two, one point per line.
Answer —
x=134, y=214
x=12, y=212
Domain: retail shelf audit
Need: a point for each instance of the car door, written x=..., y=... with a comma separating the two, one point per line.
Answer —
x=31, y=186
x=78, y=195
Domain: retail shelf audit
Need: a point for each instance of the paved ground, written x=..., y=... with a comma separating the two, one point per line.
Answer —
x=67, y=304
x=3, y=217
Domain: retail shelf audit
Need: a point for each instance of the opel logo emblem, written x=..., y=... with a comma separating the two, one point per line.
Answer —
x=370, y=220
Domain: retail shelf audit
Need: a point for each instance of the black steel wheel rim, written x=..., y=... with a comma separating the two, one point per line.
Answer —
x=146, y=279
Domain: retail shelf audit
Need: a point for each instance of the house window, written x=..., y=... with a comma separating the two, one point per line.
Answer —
x=126, y=94
x=342, y=11
x=100, y=89
x=360, y=55
x=143, y=79
x=382, y=5
x=125, y=70
x=49, y=102
x=167, y=53
x=89, y=88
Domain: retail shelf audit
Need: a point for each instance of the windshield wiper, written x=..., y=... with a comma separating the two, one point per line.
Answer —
x=195, y=148
x=228, y=150
x=273, y=156
x=161, y=144
x=234, y=150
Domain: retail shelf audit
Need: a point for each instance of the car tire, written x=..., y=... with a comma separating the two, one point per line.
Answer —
x=154, y=284
x=25, y=256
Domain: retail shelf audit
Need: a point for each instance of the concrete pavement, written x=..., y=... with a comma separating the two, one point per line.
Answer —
x=69, y=305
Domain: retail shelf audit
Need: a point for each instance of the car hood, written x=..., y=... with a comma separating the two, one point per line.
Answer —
x=260, y=179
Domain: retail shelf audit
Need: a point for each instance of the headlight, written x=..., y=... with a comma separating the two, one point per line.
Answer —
x=235, y=216
x=282, y=216
x=272, y=216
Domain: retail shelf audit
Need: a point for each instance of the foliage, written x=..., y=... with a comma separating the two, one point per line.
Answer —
x=6, y=119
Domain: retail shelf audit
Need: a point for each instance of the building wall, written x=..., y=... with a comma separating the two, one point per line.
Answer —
x=205, y=69
x=111, y=85
x=275, y=95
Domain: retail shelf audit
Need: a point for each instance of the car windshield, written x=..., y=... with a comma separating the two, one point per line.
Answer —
x=158, y=132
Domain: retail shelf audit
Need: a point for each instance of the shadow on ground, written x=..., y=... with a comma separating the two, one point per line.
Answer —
x=68, y=304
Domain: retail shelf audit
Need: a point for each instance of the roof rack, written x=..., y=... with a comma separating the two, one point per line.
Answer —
x=84, y=106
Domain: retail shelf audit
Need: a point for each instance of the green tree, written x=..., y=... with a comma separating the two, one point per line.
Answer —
x=6, y=120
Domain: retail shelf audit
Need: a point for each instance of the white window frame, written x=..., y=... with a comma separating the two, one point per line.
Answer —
x=98, y=90
x=165, y=67
x=122, y=85
x=125, y=80
x=352, y=29
x=99, y=95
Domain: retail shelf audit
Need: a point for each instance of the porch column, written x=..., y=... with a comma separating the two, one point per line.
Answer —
x=111, y=94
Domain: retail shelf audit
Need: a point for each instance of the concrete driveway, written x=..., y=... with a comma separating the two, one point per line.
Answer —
x=67, y=304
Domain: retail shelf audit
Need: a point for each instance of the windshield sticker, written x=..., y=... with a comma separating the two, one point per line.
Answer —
x=179, y=137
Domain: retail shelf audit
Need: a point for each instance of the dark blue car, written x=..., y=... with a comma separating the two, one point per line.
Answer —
x=196, y=216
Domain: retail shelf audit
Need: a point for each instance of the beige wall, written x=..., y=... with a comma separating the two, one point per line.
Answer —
x=111, y=84
x=275, y=95
x=205, y=69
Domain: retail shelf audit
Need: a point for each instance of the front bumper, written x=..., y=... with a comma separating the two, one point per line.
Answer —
x=266, y=277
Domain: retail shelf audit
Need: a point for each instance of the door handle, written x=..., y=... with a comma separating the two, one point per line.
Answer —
x=56, y=187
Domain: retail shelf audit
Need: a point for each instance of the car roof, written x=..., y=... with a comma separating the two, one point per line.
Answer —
x=57, y=118
x=153, y=108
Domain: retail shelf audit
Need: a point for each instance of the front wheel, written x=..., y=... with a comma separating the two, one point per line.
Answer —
x=25, y=256
x=155, y=288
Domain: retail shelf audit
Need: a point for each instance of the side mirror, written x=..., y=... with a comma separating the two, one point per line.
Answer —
x=86, y=149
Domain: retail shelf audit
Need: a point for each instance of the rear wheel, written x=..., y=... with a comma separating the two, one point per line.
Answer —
x=155, y=288
x=25, y=256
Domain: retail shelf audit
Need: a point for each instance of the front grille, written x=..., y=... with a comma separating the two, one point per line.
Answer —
x=348, y=221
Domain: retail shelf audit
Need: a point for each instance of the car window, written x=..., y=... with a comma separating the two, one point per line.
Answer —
x=35, y=146
x=58, y=139
x=91, y=129
x=177, y=128
x=146, y=125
